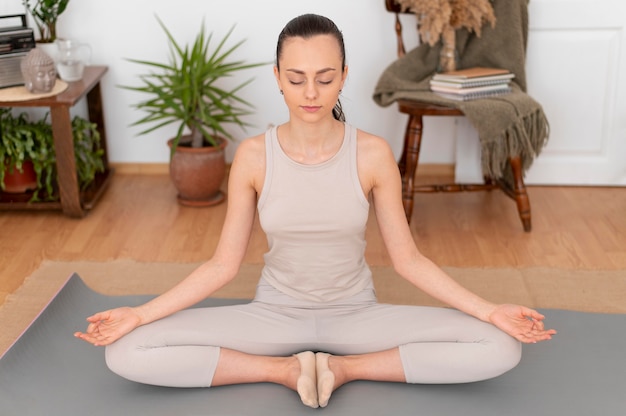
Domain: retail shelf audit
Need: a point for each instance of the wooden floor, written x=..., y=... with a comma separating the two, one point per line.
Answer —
x=139, y=218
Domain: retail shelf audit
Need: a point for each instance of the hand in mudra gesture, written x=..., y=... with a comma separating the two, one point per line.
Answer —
x=107, y=327
x=524, y=324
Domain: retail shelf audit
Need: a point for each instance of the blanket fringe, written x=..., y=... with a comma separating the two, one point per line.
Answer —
x=526, y=138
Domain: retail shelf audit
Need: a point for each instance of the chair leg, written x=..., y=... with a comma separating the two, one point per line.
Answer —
x=409, y=160
x=519, y=192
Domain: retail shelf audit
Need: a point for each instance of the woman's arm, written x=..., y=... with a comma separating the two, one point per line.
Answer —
x=245, y=179
x=232, y=245
x=379, y=174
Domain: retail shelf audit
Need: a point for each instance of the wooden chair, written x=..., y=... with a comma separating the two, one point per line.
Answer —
x=416, y=110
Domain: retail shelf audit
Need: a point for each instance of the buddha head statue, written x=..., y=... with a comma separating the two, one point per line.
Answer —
x=38, y=71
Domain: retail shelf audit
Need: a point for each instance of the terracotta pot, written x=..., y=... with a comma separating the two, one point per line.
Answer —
x=198, y=174
x=17, y=182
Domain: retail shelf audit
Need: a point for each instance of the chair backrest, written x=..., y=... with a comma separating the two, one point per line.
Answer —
x=394, y=7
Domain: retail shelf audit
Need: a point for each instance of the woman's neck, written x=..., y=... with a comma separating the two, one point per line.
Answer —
x=311, y=144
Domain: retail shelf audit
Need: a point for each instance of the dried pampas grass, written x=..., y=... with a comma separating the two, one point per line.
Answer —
x=435, y=17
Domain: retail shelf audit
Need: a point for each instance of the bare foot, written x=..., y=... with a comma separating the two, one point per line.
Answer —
x=306, y=384
x=325, y=379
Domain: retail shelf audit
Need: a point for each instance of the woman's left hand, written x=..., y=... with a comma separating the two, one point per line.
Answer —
x=522, y=323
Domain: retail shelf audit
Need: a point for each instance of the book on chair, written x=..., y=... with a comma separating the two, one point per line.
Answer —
x=469, y=90
x=472, y=83
x=474, y=95
x=473, y=72
x=472, y=77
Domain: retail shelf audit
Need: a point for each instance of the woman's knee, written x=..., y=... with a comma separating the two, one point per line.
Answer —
x=504, y=353
x=489, y=355
x=118, y=358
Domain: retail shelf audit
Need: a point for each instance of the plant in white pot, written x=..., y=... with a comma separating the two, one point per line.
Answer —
x=186, y=91
x=46, y=13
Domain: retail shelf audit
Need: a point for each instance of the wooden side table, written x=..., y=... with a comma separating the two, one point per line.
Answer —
x=73, y=202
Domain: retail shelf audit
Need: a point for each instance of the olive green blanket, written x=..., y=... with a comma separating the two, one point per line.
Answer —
x=507, y=125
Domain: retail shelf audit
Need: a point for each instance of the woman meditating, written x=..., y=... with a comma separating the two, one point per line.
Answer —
x=315, y=323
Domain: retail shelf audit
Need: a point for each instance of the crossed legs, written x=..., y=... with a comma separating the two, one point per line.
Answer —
x=255, y=343
x=296, y=372
x=333, y=371
x=314, y=376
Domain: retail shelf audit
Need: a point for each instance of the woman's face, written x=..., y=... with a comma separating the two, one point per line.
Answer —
x=311, y=76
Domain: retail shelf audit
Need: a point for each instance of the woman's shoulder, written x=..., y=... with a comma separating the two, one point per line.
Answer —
x=250, y=154
x=371, y=145
x=251, y=146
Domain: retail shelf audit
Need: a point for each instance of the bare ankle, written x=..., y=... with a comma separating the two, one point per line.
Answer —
x=336, y=364
x=292, y=372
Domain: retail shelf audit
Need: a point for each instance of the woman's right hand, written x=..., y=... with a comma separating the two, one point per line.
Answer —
x=107, y=327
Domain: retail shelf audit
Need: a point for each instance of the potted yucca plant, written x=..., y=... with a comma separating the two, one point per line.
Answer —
x=186, y=91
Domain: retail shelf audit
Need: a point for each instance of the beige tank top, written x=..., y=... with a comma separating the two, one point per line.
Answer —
x=314, y=217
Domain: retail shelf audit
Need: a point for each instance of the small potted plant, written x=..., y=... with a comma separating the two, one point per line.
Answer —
x=28, y=158
x=26, y=153
x=46, y=13
x=185, y=91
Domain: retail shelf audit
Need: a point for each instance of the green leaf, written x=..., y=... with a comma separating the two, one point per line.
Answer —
x=23, y=140
x=183, y=90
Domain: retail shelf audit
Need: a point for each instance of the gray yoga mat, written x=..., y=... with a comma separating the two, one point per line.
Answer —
x=582, y=371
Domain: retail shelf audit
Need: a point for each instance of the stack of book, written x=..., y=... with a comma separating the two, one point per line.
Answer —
x=472, y=83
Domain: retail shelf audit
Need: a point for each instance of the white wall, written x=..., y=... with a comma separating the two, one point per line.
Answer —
x=118, y=29
x=576, y=69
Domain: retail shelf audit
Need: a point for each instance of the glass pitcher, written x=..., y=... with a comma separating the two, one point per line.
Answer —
x=71, y=59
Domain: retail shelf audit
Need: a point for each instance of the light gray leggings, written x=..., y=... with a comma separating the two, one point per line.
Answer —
x=437, y=345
